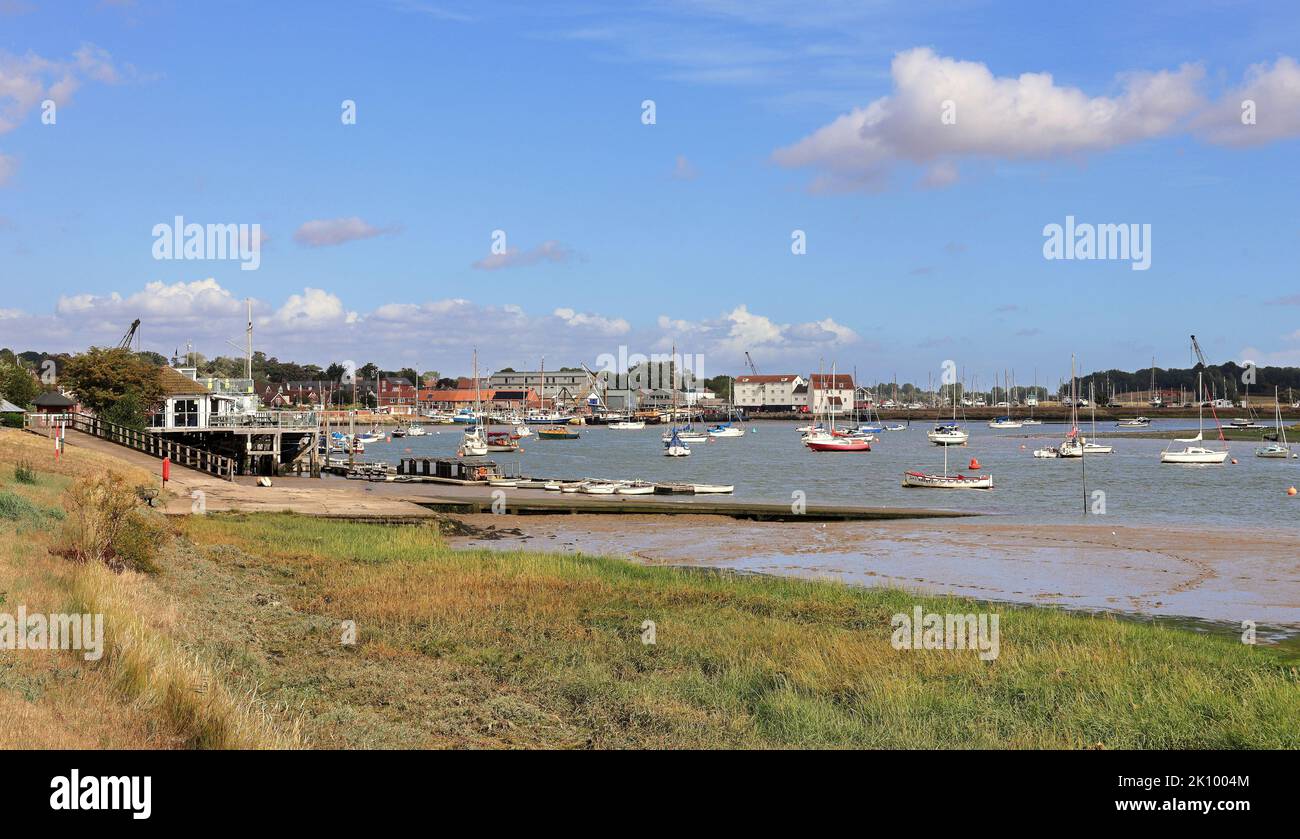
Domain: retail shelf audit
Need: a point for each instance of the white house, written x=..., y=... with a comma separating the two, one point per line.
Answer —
x=830, y=393
x=768, y=393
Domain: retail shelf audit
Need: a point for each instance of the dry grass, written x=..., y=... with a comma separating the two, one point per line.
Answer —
x=148, y=690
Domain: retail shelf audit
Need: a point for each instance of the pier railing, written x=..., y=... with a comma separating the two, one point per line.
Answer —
x=278, y=420
x=157, y=445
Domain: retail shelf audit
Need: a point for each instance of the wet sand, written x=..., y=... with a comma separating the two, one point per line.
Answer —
x=1211, y=575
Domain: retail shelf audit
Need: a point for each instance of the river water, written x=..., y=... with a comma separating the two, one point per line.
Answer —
x=769, y=464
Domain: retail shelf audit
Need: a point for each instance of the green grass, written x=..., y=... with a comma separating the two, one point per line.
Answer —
x=17, y=508
x=24, y=473
x=481, y=648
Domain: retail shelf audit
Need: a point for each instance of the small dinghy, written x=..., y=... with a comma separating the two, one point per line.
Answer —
x=636, y=488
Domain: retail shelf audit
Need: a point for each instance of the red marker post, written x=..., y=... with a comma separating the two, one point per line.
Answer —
x=167, y=470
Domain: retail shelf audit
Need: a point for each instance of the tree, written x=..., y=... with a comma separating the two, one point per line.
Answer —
x=368, y=371
x=101, y=377
x=127, y=411
x=18, y=385
x=718, y=385
x=430, y=376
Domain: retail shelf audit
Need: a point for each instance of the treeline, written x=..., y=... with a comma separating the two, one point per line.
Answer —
x=265, y=369
x=1227, y=380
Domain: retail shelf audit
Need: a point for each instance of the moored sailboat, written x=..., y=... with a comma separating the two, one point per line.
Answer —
x=1197, y=454
x=1278, y=448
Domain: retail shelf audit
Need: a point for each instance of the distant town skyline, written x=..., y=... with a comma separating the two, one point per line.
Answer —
x=878, y=186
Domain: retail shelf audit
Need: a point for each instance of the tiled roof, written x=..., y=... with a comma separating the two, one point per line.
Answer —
x=176, y=383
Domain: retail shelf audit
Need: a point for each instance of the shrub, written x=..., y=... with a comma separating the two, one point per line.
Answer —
x=104, y=525
x=136, y=543
x=24, y=473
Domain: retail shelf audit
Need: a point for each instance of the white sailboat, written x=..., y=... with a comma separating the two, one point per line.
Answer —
x=1090, y=447
x=674, y=445
x=1072, y=445
x=724, y=430
x=1006, y=421
x=1197, y=454
x=949, y=434
x=474, y=443
x=1278, y=448
x=1029, y=420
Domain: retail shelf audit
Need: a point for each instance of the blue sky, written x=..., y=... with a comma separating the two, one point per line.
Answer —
x=924, y=239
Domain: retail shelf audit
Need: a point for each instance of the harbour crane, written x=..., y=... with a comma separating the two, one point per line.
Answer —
x=750, y=361
x=125, y=343
x=1200, y=356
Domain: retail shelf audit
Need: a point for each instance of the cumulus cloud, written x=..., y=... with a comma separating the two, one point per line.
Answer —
x=1265, y=108
x=739, y=330
x=942, y=109
x=597, y=323
x=315, y=325
x=321, y=233
x=512, y=257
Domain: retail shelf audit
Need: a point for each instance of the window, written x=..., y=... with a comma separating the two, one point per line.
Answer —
x=185, y=413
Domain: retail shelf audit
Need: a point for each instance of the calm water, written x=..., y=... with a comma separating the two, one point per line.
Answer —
x=770, y=464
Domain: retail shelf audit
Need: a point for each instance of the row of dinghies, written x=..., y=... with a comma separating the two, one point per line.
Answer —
x=605, y=486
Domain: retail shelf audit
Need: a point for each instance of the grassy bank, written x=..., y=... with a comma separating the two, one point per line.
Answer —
x=480, y=648
x=237, y=641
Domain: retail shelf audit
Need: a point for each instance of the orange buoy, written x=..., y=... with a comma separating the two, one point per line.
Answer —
x=1234, y=461
x=1290, y=491
x=974, y=463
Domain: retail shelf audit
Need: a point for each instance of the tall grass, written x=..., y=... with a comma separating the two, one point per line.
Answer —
x=24, y=473
x=155, y=672
x=740, y=660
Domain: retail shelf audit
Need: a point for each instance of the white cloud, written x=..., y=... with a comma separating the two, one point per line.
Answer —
x=320, y=233
x=28, y=80
x=317, y=326
x=596, y=323
x=548, y=251
x=1275, y=92
x=1025, y=117
x=728, y=338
